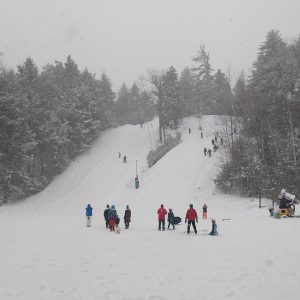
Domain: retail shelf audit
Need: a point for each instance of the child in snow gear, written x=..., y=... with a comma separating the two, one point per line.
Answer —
x=112, y=217
x=209, y=152
x=191, y=217
x=214, y=230
x=106, y=216
x=161, y=217
x=204, y=210
x=127, y=217
x=171, y=219
x=205, y=150
x=124, y=159
x=88, y=213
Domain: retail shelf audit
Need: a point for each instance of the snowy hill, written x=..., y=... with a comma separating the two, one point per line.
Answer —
x=47, y=252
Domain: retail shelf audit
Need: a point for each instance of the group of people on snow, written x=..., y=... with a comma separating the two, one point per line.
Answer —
x=191, y=218
x=215, y=146
x=111, y=217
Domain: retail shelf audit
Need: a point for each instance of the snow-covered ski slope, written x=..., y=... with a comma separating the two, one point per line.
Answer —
x=46, y=252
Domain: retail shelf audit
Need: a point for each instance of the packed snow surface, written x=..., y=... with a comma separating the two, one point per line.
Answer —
x=47, y=252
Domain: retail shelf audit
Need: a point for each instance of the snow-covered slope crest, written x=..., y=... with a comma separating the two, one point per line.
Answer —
x=46, y=251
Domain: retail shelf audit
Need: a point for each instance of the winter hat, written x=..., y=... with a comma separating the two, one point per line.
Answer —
x=127, y=206
x=113, y=207
x=191, y=205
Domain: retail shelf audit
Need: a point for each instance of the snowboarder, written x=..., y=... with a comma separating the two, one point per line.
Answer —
x=209, y=152
x=201, y=135
x=112, y=217
x=127, y=217
x=106, y=216
x=125, y=159
x=204, y=211
x=171, y=218
x=88, y=213
x=212, y=141
x=161, y=217
x=191, y=217
x=214, y=230
x=205, y=151
x=190, y=131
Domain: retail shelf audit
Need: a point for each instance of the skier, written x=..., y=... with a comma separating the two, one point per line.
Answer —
x=204, y=211
x=171, y=218
x=125, y=159
x=214, y=230
x=212, y=141
x=209, y=152
x=190, y=131
x=161, y=217
x=106, y=216
x=88, y=213
x=190, y=217
x=201, y=135
x=205, y=150
x=112, y=217
x=127, y=217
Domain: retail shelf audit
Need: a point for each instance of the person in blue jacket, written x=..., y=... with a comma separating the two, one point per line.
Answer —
x=88, y=213
x=214, y=230
x=112, y=218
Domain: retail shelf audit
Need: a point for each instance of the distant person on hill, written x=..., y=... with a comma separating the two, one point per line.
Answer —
x=88, y=213
x=127, y=217
x=204, y=211
x=112, y=217
x=216, y=138
x=201, y=135
x=215, y=147
x=222, y=141
x=106, y=216
x=214, y=230
x=125, y=159
x=190, y=131
x=120, y=155
x=161, y=217
x=205, y=151
x=212, y=141
x=171, y=218
x=191, y=217
x=209, y=152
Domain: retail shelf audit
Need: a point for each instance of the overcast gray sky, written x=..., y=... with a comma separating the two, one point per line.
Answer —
x=125, y=38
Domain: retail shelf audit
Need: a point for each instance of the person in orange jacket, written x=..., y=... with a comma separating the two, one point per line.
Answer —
x=190, y=217
x=161, y=217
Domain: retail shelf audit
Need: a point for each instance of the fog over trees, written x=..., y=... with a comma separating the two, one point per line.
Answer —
x=49, y=116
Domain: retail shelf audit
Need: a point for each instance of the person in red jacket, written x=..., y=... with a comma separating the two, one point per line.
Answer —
x=161, y=217
x=191, y=217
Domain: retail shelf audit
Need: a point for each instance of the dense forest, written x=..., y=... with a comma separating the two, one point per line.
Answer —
x=264, y=149
x=49, y=116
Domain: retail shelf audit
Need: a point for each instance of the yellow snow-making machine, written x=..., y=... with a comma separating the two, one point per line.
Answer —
x=287, y=204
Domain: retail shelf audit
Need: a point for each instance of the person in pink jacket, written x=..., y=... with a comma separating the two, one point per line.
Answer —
x=161, y=217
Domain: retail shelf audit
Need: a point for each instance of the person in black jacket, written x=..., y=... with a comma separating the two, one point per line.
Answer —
x=106, y=216
x=127, y=217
